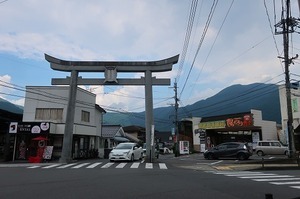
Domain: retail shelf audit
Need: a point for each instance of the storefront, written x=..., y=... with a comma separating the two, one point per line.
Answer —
x=240, y=127
x=31, y=139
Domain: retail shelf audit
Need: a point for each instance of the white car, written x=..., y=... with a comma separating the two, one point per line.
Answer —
x=126, y=151
x=270, y=148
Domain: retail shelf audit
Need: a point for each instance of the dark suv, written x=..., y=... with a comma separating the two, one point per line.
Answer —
x=237, y=150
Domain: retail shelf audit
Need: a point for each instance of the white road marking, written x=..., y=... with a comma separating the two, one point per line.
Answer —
x=285, y=183
x=107, y=165
x=251, y=174
x=275, y=179
x=121, y=165
x=93, y=165
x=33, y=167
x=65, y=166
x=216, y=162
x=162, y=166
x=80, y=165
x=270, y=176
x=135, y=165
x=51, y=166
x=296, y=187
x=149, y=166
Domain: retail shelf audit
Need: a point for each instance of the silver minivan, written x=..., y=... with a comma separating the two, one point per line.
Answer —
x=273, y=147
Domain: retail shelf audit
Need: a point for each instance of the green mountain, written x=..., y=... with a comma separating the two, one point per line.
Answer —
x=10, y=107
x=233, y=99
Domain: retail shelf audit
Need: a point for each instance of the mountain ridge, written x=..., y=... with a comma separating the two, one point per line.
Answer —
x=233, y=99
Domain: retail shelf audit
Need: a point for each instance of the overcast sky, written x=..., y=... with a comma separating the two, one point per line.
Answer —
x=239, y=46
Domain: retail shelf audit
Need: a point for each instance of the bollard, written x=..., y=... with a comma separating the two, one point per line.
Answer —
x=263, y=163
x=268, y=196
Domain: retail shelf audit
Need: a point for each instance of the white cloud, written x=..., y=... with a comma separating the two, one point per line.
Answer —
x=130, y=30
x=5, y=85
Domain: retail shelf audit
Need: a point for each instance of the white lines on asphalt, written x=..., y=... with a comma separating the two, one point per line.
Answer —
x=89, y=165
x=162, y=166
x=121, y=165
x=275, y=179
x=285, y=183
x=135, y=165
x=232, y=173
x=249, y=174
x=271, y=178
x=33, y=167
x=66, y=165
x=94, y=165
x=216, y=162
x=80, y=165
x=51, y=166
x=149, y=166
x=107, y=165
x=265, y=176
x=296, y=187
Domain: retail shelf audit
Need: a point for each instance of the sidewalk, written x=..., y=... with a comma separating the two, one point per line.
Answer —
x=194, y=161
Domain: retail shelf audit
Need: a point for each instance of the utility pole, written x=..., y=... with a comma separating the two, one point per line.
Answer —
x=288, y=24
x=176, y=121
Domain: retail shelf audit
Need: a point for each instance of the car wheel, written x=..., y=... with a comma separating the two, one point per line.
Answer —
x=210, y=156
x=132, y=158
x=242, y=156
x=260, y=153
x=286, y=153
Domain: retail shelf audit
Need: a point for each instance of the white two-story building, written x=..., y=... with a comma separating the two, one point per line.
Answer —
x=48, y=104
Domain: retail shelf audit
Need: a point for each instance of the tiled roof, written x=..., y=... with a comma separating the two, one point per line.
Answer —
x=110, y=131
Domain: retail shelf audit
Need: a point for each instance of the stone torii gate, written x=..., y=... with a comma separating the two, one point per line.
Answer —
x=110, y=69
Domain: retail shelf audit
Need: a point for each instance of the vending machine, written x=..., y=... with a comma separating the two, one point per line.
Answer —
x=184, y=147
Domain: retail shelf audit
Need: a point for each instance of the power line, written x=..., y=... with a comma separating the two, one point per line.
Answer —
x=210, y=50
x=210, y=15
x=193, y=10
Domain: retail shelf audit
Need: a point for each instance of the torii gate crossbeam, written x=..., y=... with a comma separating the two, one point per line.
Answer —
x=110, y=68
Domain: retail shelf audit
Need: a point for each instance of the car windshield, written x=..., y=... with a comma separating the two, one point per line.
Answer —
x=124, y=146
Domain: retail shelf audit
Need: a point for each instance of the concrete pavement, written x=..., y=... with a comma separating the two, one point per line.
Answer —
x=197, y=162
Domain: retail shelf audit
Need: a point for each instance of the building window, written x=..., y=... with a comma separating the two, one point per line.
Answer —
x=85, y=116
x=295, y=105
x=49, y=114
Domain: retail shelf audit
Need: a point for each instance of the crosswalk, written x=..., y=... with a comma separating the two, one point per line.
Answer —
x=105, y=165
x=275, y=179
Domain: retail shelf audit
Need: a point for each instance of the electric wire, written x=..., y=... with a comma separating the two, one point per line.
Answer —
x=189, y=29
x=210, y=15
x=210, y=50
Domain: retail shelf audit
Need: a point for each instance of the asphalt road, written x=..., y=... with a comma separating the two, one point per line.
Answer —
x=106, y=180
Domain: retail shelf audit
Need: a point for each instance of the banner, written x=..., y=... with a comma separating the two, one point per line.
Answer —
x=29, y=127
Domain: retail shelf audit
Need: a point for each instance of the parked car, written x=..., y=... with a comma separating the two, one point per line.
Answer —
x=144, y=151
x=126, y=151
x=272, y=147
x=237, y=150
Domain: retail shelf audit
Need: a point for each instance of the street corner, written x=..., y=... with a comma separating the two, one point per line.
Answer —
x=243, y=167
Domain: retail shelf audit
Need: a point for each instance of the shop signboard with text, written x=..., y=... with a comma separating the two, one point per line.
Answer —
x=29, y=127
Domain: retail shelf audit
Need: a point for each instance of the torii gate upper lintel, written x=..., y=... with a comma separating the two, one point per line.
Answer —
x=122, y=66
x=110, y=68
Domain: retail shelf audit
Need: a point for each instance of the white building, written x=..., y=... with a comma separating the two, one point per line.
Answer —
x=49, y=104
x=295, y=97
x=205, y=132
